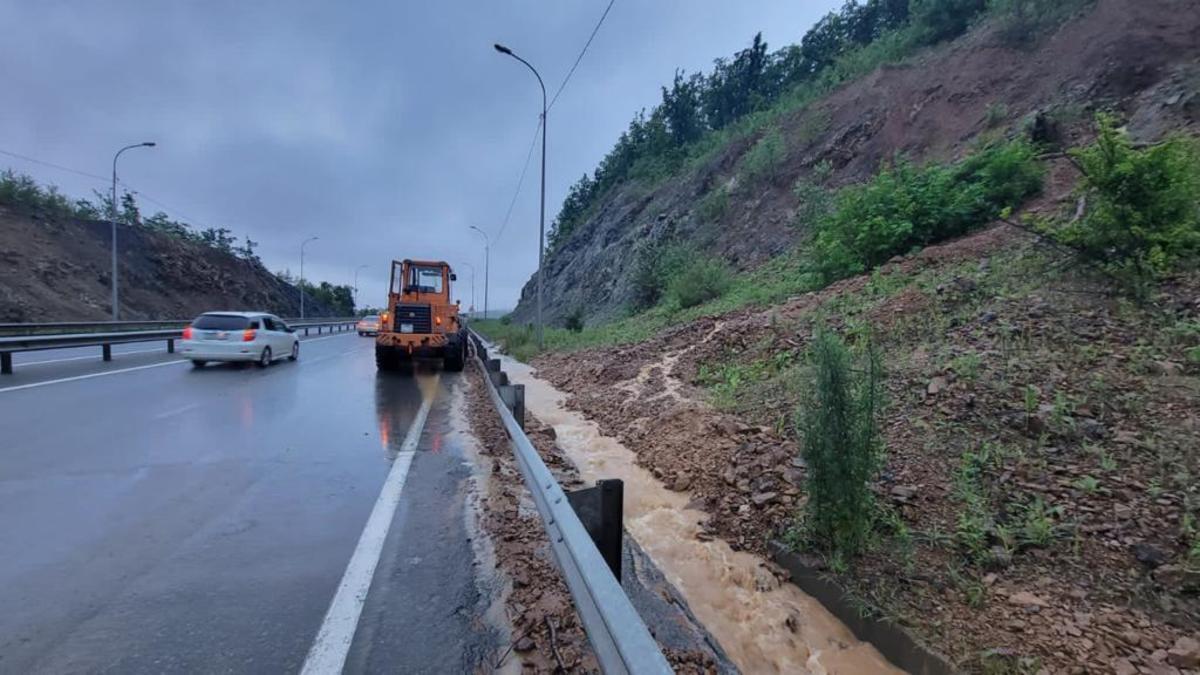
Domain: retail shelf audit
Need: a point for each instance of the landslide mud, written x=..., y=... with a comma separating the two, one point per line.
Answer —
x=764, y=625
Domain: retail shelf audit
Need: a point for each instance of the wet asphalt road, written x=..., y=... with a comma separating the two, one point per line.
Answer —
x=159, y=519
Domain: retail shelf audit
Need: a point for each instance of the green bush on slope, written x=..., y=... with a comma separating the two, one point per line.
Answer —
x=907, y=206
x=1143, y=205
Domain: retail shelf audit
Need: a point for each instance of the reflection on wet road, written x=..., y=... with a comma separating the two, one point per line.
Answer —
x=169, y=519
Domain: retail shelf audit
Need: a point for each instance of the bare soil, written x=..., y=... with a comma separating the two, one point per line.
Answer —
x=1072, y=404
x=59, y=271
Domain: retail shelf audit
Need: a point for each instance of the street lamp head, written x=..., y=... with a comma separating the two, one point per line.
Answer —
x=149, y=144
x=502, y=49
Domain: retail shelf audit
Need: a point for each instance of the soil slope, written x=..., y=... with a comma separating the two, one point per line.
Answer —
x=1027, y=405
x=59, y=271
x=1139, y=58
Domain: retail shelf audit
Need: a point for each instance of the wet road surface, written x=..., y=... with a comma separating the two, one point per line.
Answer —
x=154, y=518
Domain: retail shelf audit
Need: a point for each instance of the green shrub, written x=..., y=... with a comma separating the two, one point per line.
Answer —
x=703, y=279
x=713, y=205
x=1143, y=205
x=907, y=206
x=938, y=20
x=575, y=320
x=762, y=161
x=838, y=428
x=678, y=275
x=1021, y=22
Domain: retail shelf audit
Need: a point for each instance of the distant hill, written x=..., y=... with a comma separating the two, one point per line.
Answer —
x=55, y=268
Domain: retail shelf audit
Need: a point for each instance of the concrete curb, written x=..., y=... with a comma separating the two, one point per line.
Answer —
x=892, y=641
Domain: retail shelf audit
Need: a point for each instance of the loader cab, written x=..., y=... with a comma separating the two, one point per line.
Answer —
x=416, y=279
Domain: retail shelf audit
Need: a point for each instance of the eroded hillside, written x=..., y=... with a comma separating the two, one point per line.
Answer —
x=57, y=269
x=1136, y=58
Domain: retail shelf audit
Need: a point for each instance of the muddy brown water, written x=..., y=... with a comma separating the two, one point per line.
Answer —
x=740, y=602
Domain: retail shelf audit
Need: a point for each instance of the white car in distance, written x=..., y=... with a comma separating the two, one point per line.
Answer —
x=239, y=336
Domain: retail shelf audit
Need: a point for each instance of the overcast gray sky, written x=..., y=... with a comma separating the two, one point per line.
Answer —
x=385, y=128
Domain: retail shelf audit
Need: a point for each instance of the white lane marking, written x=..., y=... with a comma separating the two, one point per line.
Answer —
x=93, y=356
x=327, y=337
x=332, y=356
x=328, y=653
x=91, y=375
x=126, y=370
x=176, y=411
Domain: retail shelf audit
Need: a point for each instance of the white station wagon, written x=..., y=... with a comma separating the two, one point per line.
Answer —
x=239, y=336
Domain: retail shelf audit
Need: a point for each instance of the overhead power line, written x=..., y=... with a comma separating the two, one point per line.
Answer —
x=581, y=53
x=533, y=142
x=107, y=180
x=54, y=166
x=521, y=180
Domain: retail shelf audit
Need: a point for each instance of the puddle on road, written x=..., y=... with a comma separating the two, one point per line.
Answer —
x=739, y=601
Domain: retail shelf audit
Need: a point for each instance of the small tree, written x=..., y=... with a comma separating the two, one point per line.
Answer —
x=838, y=428
x=1143, y=205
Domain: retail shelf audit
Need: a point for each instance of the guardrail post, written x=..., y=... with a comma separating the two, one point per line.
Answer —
x=107, y=352
x=170, y=346
x=513, y=396
x=601, y=509
x=5, y=363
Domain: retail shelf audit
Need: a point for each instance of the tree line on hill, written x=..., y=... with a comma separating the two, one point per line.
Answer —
x=23, y=194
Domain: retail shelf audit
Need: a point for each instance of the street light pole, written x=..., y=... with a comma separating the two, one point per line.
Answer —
x=356, y=285
x=116, y=300
x=472, y=268
x=487, y=245
x=542, y=222
x=302, y=245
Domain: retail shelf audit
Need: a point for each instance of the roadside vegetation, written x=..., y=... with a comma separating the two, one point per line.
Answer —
x=837, y=424
x=743, y=96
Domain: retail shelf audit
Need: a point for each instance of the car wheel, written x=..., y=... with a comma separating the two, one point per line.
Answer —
x=265, y=359
x=197, y=363
x=295, y=351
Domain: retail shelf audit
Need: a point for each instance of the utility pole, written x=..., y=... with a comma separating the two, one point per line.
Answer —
x=472, y=268
x=302, y=245
x=116, y=298
x=356, y=285
x=487, y=245
x=542, y=223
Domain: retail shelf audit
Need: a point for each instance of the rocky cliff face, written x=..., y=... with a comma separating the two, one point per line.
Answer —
x=1139, y=58
x=59, y=271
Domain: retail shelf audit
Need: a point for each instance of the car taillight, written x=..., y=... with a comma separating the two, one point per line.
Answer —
x=248, y=335
x=187, y=332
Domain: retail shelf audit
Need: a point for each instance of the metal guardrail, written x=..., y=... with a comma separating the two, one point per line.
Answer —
x=28, y=343
x=53, y=327
x=620, y=639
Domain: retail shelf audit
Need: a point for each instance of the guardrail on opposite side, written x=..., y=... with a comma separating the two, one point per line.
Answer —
x=33, y=342
x=619, y=637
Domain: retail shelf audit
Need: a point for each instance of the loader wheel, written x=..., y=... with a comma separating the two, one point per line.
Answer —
x=452, y=359
x=386, y=358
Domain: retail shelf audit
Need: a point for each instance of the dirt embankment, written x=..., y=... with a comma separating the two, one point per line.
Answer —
x=59, y=271
x=1027, y=403
x=1136, y=58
